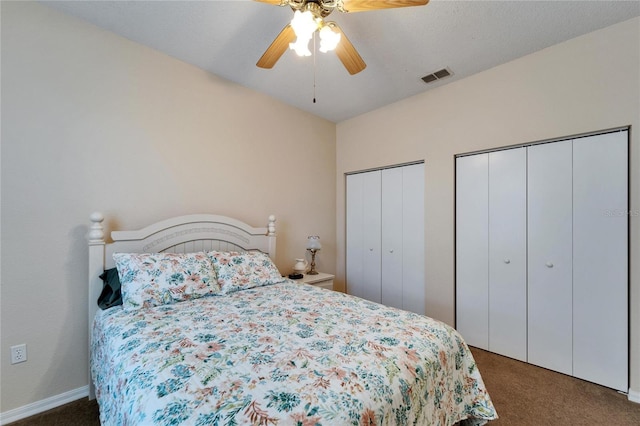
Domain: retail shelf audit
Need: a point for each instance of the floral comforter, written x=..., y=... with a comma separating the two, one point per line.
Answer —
x=284, y=354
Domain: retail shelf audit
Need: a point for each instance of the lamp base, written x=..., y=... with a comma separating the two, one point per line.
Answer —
x=312, y=270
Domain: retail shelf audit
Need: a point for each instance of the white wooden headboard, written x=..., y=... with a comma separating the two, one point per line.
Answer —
x=182, y=234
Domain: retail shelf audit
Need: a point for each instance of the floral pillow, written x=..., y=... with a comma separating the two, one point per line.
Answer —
x=154, y=279
x=240, y=271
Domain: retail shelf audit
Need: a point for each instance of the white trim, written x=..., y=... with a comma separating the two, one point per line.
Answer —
x=43, y=405
x=633, y=396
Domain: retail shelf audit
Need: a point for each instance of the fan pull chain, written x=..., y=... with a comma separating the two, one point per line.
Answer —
x=315, y=53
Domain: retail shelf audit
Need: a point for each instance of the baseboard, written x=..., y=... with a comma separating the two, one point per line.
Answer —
x=43, y=405
x=633, y=396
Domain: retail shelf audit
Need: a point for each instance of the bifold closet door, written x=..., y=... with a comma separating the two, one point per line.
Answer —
x=403, y=238
x=542, y=255
x=413, y=261
x=550, y=269
x=363, y=232
x=600, y=259
x=391, y=250
x=508, y=253
x=385, y=236
x=472, y=249
x=491, y=247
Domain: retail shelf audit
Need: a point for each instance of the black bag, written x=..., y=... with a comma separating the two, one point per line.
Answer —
x=111, y=295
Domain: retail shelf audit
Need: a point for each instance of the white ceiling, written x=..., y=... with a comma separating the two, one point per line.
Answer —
x=398, y=45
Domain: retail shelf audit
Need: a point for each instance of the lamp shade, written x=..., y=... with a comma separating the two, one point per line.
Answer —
x=328, y=39
x=304, y=24
x=313, y=243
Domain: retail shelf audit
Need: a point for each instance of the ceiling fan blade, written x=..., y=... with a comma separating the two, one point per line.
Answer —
x=364, y=5
x=348, y=54
x=277, y=48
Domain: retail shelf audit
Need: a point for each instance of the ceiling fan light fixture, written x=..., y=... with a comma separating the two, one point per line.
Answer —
x=304, y=24
x=329, y=39
x=308, y=18
x=301, y=47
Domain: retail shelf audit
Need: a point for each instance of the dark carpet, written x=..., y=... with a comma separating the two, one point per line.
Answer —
x=524, y=394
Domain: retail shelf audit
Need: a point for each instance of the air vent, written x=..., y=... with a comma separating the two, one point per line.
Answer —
x=438, y=75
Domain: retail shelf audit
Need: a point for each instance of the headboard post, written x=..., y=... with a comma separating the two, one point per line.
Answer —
x=96, y=267
x=272, y=226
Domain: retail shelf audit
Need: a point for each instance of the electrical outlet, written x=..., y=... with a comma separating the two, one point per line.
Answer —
x=18, y=353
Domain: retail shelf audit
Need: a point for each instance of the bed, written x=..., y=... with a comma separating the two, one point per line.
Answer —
x=235, y=343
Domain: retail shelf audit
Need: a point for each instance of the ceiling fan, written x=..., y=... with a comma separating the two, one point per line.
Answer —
x=309, y=17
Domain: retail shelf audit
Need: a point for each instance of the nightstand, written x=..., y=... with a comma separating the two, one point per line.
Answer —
x=321, y=280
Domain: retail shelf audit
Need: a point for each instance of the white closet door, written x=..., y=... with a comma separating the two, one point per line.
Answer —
x=508, y=253
x=355, y=235
x=472, y=251
x=372, y=225
x=550, y=256
x=363, y=235
x=600, y=259
x=413, y=283
x=391, y=251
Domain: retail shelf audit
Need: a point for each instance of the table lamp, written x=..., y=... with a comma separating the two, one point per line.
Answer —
x=313, y=245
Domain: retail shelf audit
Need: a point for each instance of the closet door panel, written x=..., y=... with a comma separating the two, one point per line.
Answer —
x=391, y=251
x=472, y=239
x=413, y=239
x=363, y=235
x=600, y=266
x=355, y=235
x=508, y=253
x=371, y=221
x=550, y=256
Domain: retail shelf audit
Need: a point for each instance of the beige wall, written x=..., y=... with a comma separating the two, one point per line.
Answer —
x=92, y=121
x=586, y=84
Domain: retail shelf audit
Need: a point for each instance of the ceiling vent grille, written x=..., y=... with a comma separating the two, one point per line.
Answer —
x=438, y=75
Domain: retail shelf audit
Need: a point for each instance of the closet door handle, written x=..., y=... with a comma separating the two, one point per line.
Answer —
x=370, y=249
x=391, y=251
x=507, y=261
x=549, y=265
